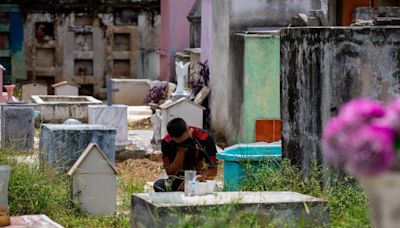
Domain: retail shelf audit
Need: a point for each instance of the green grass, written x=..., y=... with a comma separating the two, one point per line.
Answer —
x=38, y=189
x=35, y=189
x=347, y=202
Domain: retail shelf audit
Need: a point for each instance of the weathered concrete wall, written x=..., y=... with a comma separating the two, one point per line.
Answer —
x=87, y=48
x=230, y=16
x=322, y=68
x=267, y=12
x=148, y=43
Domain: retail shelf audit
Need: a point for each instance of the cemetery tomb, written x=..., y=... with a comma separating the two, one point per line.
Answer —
x=115, y=116
x=183, y=108
x=159, y=209
x=17, y=126
x=94, y=182
x=61, y=145
x=57, y=109
x=65, y=88
x=33, y=88
x=131, y=91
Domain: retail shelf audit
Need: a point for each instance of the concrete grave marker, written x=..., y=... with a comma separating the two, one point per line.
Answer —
x=109, y=90
x=161, y=209
x=61, y=145
x=115, y=116
x=132, y=92
x=17, y=126
x=94, y=182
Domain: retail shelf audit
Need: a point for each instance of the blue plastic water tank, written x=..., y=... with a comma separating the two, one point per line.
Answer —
x=237, y=157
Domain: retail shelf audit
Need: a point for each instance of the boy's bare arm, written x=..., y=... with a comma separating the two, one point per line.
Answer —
x=177, y=164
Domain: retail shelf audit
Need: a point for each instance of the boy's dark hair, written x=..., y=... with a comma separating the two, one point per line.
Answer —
x=176, y=127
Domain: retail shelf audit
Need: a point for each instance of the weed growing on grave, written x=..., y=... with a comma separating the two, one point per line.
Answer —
x=347, y=202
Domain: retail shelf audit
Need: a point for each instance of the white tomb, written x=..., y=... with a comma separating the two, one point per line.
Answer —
x=183, y=108
x=94, y=182
x=131, y=91
x=115, y=116
x=32, y=88
x=65, y=88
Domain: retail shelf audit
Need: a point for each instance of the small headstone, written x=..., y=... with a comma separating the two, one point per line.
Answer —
x=94, y=182
x=61, y=145
x=115, y=116
x=72, y=122
x=109, y=90
x=17, y=127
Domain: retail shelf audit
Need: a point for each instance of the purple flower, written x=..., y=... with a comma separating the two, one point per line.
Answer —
x=337, y=135
x=362, y=137
x=391, y=118
x=361, y=111
x=334, y=141
x=371, y=151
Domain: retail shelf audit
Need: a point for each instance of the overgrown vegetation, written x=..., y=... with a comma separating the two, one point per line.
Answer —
x=347, y=202
x=38, y=189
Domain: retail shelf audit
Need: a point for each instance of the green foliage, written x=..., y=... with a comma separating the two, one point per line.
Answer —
x=347, y=202
x=38, y=189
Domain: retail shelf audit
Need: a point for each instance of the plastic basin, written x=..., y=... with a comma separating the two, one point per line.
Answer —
x=241, y=159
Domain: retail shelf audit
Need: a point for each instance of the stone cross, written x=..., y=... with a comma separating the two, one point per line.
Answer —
x=109, y=90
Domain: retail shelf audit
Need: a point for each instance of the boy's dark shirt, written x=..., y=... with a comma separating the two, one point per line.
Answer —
x=201, y=151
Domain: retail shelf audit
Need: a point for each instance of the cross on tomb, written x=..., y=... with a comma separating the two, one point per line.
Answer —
x=109, y=90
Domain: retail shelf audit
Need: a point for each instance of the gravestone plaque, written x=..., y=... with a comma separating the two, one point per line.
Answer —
x=61, y=145
x=17, y=127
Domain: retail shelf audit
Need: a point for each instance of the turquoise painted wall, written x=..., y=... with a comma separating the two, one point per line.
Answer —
x=261, y=82
x=15, y=29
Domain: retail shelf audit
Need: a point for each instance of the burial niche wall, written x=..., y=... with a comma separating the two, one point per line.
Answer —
x=321, y=69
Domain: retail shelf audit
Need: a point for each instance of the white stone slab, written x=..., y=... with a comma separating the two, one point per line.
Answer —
x=112, y=116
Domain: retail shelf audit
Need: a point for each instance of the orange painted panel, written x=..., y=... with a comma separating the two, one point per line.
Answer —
x=349, y=6
x=268, y=130
x=277, y=130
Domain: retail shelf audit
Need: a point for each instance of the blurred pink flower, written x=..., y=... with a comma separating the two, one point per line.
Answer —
x=361, y=137
x=334, y=141
x=371, y=151
x=392, y=116
x=361, y=111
